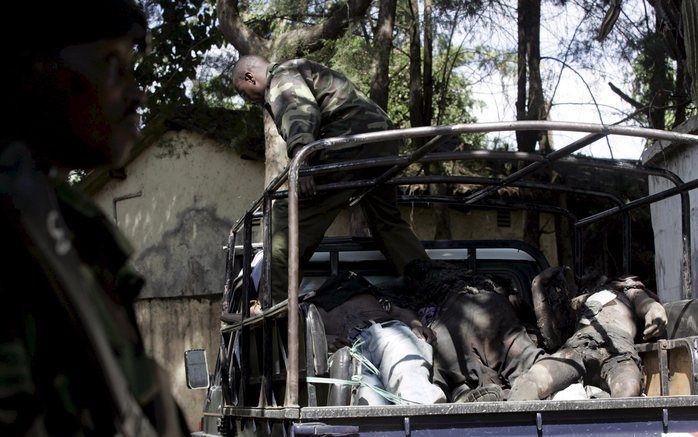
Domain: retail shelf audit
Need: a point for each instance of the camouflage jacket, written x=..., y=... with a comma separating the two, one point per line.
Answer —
x=51, y=382
x=309, y=101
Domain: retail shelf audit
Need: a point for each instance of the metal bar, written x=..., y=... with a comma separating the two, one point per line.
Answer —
x=491, y=181
x=252, y=209
x=494, y=204
x=358, y=139
x=230, y=272
x=292, y=369
x=663, y=368
x=627, y=239
x=578, y=252
x=339, y=143
x=551, y=157
x=266, y=291
x=638, y=202
x=493, y=155
x=246, y=265
x=394, y=170
x=121, y=198
x=385, y=161
x=477, y=411
x=268, y=360
x=686, y=264
x=410, y=180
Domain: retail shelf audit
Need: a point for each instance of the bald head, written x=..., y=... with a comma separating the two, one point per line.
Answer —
x=250, y=77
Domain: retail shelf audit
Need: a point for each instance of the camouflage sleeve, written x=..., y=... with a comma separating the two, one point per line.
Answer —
x=294, y=108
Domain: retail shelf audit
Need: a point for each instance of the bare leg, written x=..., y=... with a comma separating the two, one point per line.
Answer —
x=548, y=375
x=624, y=380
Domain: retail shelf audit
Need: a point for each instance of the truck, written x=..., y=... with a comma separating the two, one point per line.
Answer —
x=274, y=374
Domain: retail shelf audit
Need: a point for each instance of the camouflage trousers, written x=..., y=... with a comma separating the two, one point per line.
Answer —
x=393, y=234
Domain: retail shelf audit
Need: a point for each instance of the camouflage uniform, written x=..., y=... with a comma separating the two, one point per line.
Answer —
x=309, y=101
x=53, y=380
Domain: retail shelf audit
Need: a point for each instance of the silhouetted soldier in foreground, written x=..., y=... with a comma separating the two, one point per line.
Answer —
x=72, y=361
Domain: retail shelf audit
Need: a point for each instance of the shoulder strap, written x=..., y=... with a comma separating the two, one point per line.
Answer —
x=48, y=240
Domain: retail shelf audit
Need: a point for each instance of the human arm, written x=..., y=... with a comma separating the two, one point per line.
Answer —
x=409, y=318
x=296, y=114
x=293, y=106
x=645, y=306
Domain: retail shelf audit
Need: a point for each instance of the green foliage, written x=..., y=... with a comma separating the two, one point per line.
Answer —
x=653, y=72
x=182, y=32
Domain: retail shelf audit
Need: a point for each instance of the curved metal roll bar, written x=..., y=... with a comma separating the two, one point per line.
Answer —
x=440, y=133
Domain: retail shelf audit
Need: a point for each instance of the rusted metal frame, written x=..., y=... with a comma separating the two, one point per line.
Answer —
x=549, y=158
x=577, y=242
x=385, y=161
x=627, y=241
x=230, y=270
x=267, y=361
x=663, y=356
x=358, y=139
x=246, y=265
x=409, y=180
x=246, y=284
x=626, y=223
x=265, y=292
x=265, y=300
x=492, y=181
x=398, y=168
x=639, y=202
x=686, y=270
x=493, y=204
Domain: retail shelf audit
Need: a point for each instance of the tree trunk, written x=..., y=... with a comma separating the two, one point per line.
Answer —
x=281, y=46
x=428, y=63
x=416, y=103
x=680, y=96
x=530, y=104
x=442, y=226
x=380, y=89
x=383, y=45
x=275, y=155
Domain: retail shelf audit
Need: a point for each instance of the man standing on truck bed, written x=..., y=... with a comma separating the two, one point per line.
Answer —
x=72, y=362
x=309, y=101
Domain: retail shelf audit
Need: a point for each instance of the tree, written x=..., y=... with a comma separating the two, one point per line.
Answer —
x=280, y=32
x=182, y=32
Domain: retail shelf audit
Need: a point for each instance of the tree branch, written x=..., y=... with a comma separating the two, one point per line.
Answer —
x=314, y=37
x=627, y=98
x=235, y=31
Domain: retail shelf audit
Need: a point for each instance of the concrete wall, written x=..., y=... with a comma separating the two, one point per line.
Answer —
x=172, y=326
x=187, y=192
x=666, y=215
x=472, y=225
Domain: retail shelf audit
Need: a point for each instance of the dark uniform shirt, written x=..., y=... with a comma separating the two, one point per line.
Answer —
x=309, y=101
x=52, y=380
